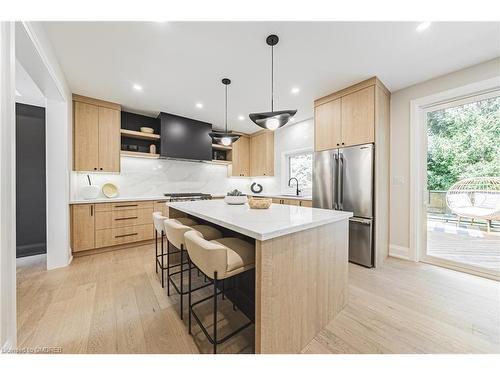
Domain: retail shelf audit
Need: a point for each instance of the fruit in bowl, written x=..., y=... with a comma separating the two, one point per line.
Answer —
x=235, y=197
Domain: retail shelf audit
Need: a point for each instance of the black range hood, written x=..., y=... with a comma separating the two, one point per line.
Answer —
x=185, y=138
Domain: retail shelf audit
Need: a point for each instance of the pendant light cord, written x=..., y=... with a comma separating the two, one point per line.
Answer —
x=226, y=109
x=272, y=78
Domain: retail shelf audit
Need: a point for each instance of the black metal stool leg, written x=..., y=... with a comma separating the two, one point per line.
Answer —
x=223, y=289
x=182, y=283
x=156, y=250
x=189, y=295
x=162, y=267
x=168, y=268
x=215, y=313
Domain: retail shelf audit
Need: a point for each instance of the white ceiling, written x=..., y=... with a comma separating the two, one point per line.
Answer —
x=181, y=63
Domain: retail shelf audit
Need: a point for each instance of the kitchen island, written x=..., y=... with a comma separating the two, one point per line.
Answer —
x=301, y=258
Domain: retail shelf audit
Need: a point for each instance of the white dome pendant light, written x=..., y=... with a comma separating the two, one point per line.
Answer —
x=274, y=119
x=225, y=138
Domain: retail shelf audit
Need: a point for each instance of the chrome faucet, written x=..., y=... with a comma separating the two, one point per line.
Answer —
x=297, y=186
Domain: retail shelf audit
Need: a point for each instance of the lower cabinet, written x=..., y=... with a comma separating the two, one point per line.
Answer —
x=293, y=202
x=82, y=227
x=98, y=225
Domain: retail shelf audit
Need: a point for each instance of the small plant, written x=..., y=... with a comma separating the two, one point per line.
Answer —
x=235, y=193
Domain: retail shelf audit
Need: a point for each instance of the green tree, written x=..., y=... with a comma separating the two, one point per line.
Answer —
x=463, y=142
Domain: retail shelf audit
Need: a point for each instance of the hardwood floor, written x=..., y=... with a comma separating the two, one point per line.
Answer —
x=114, y=303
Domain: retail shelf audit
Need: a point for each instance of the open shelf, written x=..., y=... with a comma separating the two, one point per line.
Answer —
x=137, y=154
x=139, y=135
x=221, y=147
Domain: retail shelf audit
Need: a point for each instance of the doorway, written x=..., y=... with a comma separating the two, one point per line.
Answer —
x=462, y=180
x=31, y=233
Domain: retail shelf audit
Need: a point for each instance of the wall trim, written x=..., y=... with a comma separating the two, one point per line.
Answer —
x=400, y=252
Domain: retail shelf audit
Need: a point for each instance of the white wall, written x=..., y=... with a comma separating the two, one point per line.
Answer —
x=7, y=189
x=153, y=178
x=400, y=141
x=34, y=52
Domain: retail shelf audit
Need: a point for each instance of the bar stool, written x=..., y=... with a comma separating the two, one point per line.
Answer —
x=219, y=260
x=158, y=220
x=175, y=230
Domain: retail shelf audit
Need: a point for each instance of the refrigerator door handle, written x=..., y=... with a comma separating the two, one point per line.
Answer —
x=335, y=167
x=341, y=182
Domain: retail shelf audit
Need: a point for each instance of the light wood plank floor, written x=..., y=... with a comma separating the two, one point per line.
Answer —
x=114, y=303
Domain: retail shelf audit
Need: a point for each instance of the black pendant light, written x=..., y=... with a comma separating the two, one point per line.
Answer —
x=224, y=138
x=274, y=119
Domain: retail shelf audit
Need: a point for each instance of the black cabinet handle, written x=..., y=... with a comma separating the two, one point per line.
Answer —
x=100, y=169
x=126, y=235
x=126, y=205
x=95, y=169
x=92, y=210
x=126, y=218
x=342, y=142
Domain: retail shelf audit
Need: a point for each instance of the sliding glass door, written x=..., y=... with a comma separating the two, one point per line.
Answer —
x=463, y=184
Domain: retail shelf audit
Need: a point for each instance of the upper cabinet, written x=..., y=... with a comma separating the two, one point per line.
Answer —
x=327, y=123
x=358, y=117
x=262, y=154
x=349, y=117
x=96, y=135
x=240, y=157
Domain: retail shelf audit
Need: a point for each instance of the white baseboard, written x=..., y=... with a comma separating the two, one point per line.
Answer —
x=399, y=252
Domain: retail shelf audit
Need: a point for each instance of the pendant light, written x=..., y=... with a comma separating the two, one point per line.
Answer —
x=274, y=119
x=224, y=138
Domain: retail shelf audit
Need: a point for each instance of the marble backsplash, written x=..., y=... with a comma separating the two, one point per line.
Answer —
x=154, y=177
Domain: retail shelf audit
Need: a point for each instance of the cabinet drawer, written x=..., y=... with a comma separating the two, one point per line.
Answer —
x=123, y=206
x=123, y=218
x=116, y=236
x=306, y=203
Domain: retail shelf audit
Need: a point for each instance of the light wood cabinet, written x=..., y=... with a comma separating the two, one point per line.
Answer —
x=86, y=137
x=262, y=154
x=98, y=225
x=160, y=206
x=328, y=126
x=82, y=227
x=240, y=154
x=348, y=117
x=109, y=140
x=293, y=202
x=358, y=117
x=96, y=135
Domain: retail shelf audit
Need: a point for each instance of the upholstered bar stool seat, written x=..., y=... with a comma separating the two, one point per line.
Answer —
x=158, y=222
x=175, y=231
x=218, y=259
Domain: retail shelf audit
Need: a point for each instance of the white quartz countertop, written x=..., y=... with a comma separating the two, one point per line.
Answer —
x=261, y=224
x=117, y=199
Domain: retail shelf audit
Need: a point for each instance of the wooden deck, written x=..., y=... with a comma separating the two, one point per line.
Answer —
x=467, y=244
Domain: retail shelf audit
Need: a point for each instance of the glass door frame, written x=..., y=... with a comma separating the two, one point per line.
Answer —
x=419, y=108
x=423, y=255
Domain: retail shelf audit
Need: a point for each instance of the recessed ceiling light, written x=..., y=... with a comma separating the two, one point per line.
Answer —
x=423, y=25
x=295, y=90
x=18, y=93
x=199, y=105
x=241, y=117
x=137, y=87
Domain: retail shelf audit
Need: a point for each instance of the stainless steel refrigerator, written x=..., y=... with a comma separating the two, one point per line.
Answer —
x=343, y=180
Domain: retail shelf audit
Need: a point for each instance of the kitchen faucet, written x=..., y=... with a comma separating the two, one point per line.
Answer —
x=297, y=181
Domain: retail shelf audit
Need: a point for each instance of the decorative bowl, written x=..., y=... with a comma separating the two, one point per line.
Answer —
x=145, y=129
x=235, y=199
x=260, y=203
x=110, y=190
x=90, y=191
